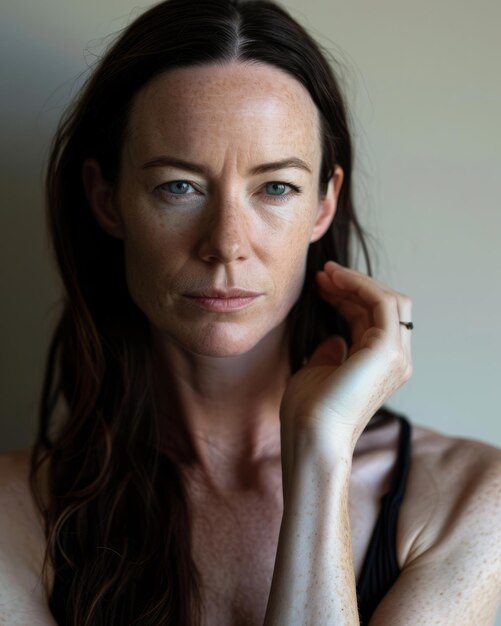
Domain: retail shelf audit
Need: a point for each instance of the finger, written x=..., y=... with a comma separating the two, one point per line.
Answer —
x=332, y=266
x=334, y=293
x=348, y=291
x=358, y=317
x=347, y=303
x=382, y=302
x=331, y=352
x=400, y=303
x=405, y=314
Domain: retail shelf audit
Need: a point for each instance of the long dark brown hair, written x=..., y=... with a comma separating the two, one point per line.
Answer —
x=117, y=528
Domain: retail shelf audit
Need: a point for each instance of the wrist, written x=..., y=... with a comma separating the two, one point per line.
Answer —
x=310, y=438
x=316, y=463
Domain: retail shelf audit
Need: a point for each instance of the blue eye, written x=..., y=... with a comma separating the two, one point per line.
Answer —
x=178, y=187
x=276, y=189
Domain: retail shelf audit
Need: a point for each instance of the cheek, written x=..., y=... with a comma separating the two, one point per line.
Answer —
x=291, y=266
x=295, y=253
x=149, y=256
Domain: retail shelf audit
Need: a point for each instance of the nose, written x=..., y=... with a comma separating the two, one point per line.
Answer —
x=225, y=233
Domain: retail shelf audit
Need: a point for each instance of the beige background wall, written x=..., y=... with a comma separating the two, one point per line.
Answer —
x=424, y=85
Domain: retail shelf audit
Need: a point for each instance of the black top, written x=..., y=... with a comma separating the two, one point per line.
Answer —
x=380, y=568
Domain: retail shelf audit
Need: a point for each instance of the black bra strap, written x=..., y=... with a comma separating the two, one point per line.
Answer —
x=380, y=568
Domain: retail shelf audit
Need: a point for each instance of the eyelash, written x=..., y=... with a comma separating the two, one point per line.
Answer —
x=295, y=189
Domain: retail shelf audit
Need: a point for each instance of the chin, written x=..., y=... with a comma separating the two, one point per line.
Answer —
x=222, y=340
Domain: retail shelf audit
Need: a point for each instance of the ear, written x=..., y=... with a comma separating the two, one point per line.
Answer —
x=99, y=194
x=327, y=205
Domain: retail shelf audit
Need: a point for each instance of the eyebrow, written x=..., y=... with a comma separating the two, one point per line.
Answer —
x=164, y=160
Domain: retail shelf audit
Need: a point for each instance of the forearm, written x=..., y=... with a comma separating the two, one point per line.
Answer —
x=314, y=580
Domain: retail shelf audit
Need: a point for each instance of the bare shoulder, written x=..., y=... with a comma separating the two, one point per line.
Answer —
x=456, y=464
x=448, y=535
x=453, y=496
x=22, y=542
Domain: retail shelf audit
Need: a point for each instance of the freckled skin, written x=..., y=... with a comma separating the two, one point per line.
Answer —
x=230, y=119
x=448, y=538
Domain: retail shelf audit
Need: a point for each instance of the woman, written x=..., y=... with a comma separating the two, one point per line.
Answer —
x=223, y=455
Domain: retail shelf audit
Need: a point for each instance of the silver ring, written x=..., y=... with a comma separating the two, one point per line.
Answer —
x=408, y=325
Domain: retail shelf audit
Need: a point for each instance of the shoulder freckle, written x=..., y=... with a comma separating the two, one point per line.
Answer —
x=454, y=486
x=469, y=474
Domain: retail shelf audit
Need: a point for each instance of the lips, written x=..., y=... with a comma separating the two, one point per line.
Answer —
x=223, y=293
x=223, y=300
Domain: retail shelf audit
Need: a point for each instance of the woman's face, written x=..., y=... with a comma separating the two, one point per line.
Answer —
x=219, y=190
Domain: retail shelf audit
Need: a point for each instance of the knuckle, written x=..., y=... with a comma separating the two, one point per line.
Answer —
x=391, y=299
x=408, y=372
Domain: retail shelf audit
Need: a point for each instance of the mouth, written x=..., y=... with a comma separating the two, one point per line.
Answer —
x=223, y=301
x=223, y=294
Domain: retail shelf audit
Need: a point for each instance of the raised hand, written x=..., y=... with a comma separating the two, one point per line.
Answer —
x=331, y=399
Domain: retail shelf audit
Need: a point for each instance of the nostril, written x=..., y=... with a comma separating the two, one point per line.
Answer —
x=224, y=245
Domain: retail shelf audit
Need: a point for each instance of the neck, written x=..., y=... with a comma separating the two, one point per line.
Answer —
x=228, y=406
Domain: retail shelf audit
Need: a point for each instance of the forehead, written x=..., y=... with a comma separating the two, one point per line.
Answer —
x=250, y=107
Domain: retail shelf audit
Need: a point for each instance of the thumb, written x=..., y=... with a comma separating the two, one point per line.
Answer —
x=332, y=351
